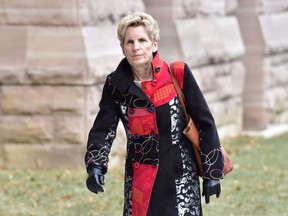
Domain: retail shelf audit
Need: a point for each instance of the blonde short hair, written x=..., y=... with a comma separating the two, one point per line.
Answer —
x=138, y=19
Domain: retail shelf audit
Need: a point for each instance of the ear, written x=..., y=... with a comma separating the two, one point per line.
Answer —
x=155, y=44
x=121, y=45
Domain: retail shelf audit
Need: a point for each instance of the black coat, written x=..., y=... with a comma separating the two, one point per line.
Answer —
x=161, y=175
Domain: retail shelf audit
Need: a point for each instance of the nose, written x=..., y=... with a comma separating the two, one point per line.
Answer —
x=136, y=45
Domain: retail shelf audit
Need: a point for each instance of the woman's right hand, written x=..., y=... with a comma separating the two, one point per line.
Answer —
x=95, y=179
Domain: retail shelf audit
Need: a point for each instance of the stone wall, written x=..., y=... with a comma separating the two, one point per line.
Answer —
x=53, y=62
x=206, y=35
x=56, y=54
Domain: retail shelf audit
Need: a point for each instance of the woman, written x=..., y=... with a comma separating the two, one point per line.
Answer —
x=160, y=172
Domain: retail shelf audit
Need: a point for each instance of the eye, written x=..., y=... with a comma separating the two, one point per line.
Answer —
x=129, y=42
x=142, y=40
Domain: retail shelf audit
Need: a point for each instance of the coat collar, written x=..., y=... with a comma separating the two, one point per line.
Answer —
x=123, y=78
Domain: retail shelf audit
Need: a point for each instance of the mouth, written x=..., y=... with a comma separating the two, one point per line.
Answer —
x=138, y=56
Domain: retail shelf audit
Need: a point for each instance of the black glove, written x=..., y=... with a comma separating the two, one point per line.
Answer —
x=211, y=187
x=95, y=179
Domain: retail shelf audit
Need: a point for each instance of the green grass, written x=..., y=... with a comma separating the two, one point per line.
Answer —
x=257, y=186
x=57, y=192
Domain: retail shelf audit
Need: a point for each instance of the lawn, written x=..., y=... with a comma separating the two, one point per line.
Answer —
x=257, y=186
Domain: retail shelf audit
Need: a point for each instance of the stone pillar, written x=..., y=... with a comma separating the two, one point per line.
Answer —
x=273, y=19
x=255, y=115
x=203, y=35
x=162, y=11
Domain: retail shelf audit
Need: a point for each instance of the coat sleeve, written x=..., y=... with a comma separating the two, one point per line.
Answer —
x=103, y=131
x=197, y=107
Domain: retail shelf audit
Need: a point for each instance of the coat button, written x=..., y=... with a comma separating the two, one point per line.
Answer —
x=151, y=109
x=154, y=82
x=131, y=111
x=136, y=136
x=154, y=164
x=136, y=165
x=153, y=134
x=157, y=69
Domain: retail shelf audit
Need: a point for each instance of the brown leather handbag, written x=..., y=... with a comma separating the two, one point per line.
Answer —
x=191, y=132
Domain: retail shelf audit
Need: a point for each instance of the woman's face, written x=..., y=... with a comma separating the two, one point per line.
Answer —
x=137, y=47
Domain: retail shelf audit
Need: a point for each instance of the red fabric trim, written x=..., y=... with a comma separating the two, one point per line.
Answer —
x=143, y=180
x=141, y=121
x=161, y=89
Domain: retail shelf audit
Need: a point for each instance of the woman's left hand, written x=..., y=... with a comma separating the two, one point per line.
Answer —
x=211, y=187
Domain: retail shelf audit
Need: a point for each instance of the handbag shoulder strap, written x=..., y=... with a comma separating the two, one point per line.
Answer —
x=179, y=92
x=178, y=68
